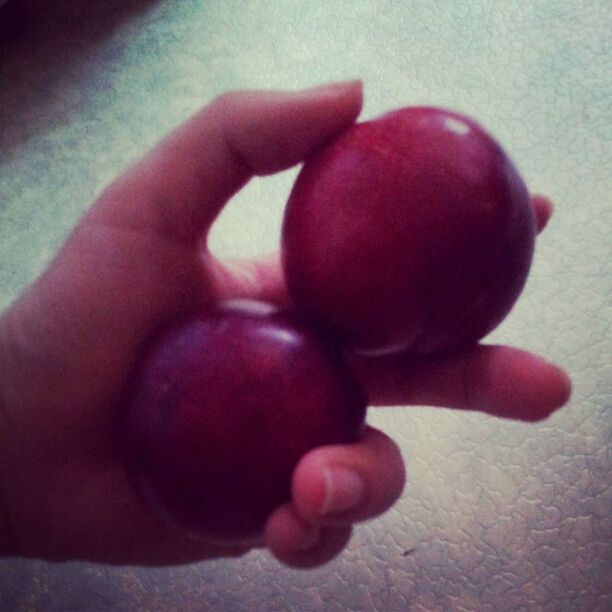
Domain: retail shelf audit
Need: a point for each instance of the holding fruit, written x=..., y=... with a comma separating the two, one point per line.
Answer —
x=224, y=405
x=413, y=232
x=209, y=413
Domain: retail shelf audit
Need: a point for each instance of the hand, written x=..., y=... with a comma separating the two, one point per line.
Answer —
x=137, y=258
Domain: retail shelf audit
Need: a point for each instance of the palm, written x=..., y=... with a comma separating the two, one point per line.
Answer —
x=80, y=393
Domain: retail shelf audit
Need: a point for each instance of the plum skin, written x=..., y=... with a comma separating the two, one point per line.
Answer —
x=411, y=232
x=222, y=406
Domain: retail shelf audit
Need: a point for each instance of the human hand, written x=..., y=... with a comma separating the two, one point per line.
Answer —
x=137, y=259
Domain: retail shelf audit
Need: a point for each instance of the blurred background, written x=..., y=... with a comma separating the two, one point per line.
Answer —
x=496, y=514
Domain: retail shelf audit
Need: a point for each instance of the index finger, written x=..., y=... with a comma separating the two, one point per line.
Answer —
x=181, y=186
x=132, y=262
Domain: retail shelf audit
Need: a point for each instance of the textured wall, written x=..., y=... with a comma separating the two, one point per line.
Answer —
x=497, y=515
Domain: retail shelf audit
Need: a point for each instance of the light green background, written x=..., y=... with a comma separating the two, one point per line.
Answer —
x=500, y=515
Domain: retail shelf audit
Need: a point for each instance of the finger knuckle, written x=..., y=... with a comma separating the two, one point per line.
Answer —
x=228, y=102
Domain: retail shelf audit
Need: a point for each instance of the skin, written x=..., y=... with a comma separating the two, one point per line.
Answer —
x=137, y=258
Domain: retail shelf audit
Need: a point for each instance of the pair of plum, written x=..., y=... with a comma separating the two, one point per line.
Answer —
x=409, y=233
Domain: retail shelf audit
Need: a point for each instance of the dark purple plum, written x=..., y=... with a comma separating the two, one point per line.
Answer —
x=221, y=408
x=411, y=232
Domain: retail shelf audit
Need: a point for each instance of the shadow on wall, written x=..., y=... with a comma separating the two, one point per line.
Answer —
x=41, y=41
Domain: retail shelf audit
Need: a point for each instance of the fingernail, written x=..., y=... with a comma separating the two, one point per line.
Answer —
x=344, y=490
x=333, y=88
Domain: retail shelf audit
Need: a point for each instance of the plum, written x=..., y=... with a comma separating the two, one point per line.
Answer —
x=411, y=232
x=222, y=405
